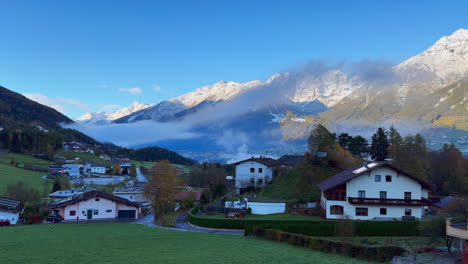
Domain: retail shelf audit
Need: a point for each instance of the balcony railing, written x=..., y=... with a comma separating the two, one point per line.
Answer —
x=381, y=201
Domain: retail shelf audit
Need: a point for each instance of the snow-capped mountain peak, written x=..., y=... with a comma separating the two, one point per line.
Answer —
x=103, y=117
x=447, y=58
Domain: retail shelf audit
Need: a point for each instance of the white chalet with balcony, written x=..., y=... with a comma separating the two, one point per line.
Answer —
x=256, y=172
x=374, y=191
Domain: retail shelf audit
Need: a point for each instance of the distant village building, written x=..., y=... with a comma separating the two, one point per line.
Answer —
x=56, y=170
x=105, y=157
x=255, y=172
x=133, y=193
x=74, y=170
x=290, y=160
x=376, y=190
x=10, y=210
x=95, y=205
x=98, y=168
x=73, y=146
x=62, y=194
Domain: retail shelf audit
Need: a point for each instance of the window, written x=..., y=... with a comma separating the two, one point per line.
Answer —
x=377, y=178
x=109, y=211
x=260, y=170
x=131, y=197
x=383, y=195
x=336, y=210
x=388, y=178
x=97, y=199
x=407, y=195
x=95, y=212
x=361, y=211
x=260, y=181
x=383, y=211
x=252, y=169
x=408, y=212
x=362, y=194
x=252, y=180
x=72, y=212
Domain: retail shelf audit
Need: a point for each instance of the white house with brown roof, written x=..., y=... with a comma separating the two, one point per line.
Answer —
x=10, y=210
x=374, y=191
x=95, y=205
x=254, y=172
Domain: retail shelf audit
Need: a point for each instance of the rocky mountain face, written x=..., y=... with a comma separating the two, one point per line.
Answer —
x=104, y=118
x=429, y=89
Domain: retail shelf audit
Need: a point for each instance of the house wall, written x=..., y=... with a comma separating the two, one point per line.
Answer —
x=395, y=190
x=266, y=208
x=137, y=197
x=101, y=170
x=13, y=217
x=243, y=174
x=102, y=207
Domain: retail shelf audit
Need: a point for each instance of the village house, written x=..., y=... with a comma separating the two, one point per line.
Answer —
x=62, y=194
x=290, y=161
x=98, y=168
x=105, y=157
x=133, y=193
x=10, y=210
x=187, y=194
x=95, y=205
x=376, y=190
x=74, y=170
x=73, y=146
x=255, y=172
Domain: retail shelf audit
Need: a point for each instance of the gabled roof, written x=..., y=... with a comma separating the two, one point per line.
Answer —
x=290, y=160
x=359, y=170
x=184, y=195
x=265, y=161
x=87, y=195
x=10, y=205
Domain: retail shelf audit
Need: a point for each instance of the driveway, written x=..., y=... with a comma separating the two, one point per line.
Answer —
x=182, y=225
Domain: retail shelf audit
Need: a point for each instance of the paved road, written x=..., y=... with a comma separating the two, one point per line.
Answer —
x=182, y=225
x=140, y=176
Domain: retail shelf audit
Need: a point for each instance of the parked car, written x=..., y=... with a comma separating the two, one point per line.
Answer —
x=54, y=218
x=4, y=222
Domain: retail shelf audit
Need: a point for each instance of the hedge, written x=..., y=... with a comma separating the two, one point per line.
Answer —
x=309, y=227
x=377, y=253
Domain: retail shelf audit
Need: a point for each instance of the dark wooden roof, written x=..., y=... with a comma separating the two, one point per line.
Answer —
x=87, y=195
x=290, y=160
x=359, y=170
x=265, y=161
x=10, y=205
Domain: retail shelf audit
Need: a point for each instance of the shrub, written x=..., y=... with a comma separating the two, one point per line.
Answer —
x=383, y=253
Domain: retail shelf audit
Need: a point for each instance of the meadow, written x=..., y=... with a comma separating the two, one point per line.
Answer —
x=133, y=243
x=10, y=174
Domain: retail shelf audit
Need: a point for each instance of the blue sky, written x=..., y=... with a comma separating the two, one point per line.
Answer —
x=97, y=55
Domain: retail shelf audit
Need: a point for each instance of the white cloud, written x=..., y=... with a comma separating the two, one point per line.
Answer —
x=73, y=102
x=133, y=90
x=42, y=99
x=157, y=88
x=108, y=107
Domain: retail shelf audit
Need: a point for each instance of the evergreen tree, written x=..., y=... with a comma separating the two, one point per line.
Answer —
x=56, y=186
x=345, y=140
x=379, y=146
x=358, y=145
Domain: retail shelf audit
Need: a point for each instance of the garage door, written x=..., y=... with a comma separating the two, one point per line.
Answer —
x=126, y=213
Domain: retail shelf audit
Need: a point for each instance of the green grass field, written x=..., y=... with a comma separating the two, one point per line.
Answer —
x=84, y=156
x=132, y=243
x=9, y=174
x=21, y=158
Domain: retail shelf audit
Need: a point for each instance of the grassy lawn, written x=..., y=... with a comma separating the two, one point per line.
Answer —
x=284, y=216
x=21, y=158
x=9, y=174
x=132, y=243
x=84, y=156
x=146, y=164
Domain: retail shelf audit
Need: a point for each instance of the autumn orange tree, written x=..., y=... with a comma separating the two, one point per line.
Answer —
x=162, y=189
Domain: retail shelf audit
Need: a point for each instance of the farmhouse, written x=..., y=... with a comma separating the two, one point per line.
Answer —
x=62, y=194
x=98, y=168
x=255, y=172
x=377, y=190
x=132, y=193
x=95, y=205
x=10, y=209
